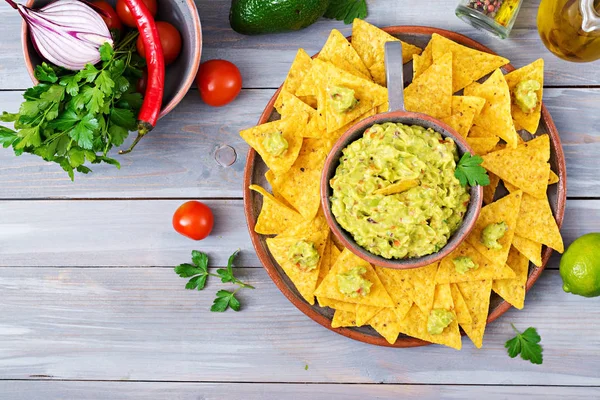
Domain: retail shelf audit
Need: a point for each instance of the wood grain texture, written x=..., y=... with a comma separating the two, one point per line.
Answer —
x=177, y=158
x=141, y=324
x=19, y=390
x=137, y=233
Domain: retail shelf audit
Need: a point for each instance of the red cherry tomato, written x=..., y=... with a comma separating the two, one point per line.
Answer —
x=194, y=220
x=125, y=14
x=110, y=15
x=219, y=82
x=170, y=39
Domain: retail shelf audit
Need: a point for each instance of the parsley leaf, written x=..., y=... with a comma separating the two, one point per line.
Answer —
x=45, y=73
x=106, y=52
x=83, y=132
x=469, y=170
x=7, y=137
x=346, y=10
x=123, y=117
x=224, y=300
x=526, y=344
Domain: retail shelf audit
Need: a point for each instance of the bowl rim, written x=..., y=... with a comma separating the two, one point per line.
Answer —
x=187, y=83
x=354, y=133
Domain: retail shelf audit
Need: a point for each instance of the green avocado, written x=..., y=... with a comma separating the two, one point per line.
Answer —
x=253, y=17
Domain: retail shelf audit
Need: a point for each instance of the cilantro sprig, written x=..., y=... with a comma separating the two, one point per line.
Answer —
x=469, y=170
x=76, y=117
x=346, y=10
x=527, y=344
x=198, y=273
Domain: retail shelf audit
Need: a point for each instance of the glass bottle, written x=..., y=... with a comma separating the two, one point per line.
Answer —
x=493, y=16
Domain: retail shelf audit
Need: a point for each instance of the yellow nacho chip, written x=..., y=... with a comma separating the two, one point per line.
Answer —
x=305, y=281
x=553, y=178
x=333, y=255
x=483, y=145
x=343, y=319
x=533, y=71
x=422, y=62
x=275, y=217
x=530, y=249
x=415, y=325
x=307, y=226
x=398, y=187
x=301, y=65
x=513, y=290
x=289, y=129
x=463, y=317
x=486, y=269
x=431, y=92
x=489, y=191
x=369, y=42
x=335, y=135
x=443, y=297
x=365, y=313
x=477, y=297
x=468, y=65
x=270, y=177
x=386, y=324
x=464, y=110
x=377, y=296
x=495, y=115
x=479, y=132
x=338, y=51
x=525, y=167
x=337, y=305
x=300, y=185
x=536, y=222
x=423, y=281
x=503, y=210
x=398, y=287
x=292, y=105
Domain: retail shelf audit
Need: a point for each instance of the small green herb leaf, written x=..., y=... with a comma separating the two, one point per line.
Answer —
x=45, y=73
x=106, y=52
x=346, y=10
x=123, y=117
x=200, y=260
x=83, y=132
x=469, y=170
x=7, y=136
x=526, y=344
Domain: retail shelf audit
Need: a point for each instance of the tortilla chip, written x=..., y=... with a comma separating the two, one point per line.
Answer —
x=270, y=177
x=505, y=209
x=369, y=42
x=335, y=135
x=346, y=261
x=275, y=217
x=477, y=297
x=365, y=313
x=513, y=290
x=460, y=306
x=397, y=187
x=386, y=323
x=337, y=305
x=289, y=128
x=483, y=145
x=489, y=191
x=305, y=281
x=300, y=185
x=422, y=62
x=292, y=105
x=398, y=287
x=301, y=65
x=343, y=319
x=423, y=281
x=338, y=51
x=415, y=325
x=479, y=132
x=536, y=222
x=307, y=227
x=553, y=178
x=486, y=269
x=525, y=167
x=468, y=65
x=443, y=297
x=464, y=110
x=533, y=71
x=431, y=92
x=495, y=115
x=530, y=249
x=333, y=255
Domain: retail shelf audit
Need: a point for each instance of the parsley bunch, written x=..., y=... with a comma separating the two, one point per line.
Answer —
x=469, y=170
x=198, y=272
x=74, y=117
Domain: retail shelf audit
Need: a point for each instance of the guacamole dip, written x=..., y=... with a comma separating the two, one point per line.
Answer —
x=415, y=222
x=492, y=233
x=275, y=144
x=438, y=320
x=464, y=264
x=343, y=99
x=526, y=97
x=351, y=283
x=304, y=255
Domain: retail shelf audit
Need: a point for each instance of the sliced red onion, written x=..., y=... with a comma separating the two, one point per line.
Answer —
x=67, y=33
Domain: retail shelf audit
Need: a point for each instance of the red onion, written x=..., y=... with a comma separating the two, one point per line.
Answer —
x=67, y=33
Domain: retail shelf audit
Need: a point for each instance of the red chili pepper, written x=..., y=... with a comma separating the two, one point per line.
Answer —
x=156, y=69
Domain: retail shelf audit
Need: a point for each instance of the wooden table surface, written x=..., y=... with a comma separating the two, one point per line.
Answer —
x=90, y=307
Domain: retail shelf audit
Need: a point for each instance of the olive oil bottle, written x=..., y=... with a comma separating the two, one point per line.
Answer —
x=571, y=28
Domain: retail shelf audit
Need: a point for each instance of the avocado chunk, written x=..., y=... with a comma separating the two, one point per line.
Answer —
x=253, y=17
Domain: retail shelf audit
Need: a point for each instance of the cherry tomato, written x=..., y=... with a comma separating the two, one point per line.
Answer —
x=219, y=82
x=110, y=15
x=194, y=220
x=125, y=14
x=140, y=86
x=170, y=39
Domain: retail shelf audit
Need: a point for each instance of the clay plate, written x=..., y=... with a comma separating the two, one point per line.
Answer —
x=255, y=170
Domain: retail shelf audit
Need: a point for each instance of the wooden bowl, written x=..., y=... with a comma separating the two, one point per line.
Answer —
x=254, y=174
x=179, y=75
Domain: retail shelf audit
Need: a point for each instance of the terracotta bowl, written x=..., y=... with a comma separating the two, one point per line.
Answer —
x=179, y=75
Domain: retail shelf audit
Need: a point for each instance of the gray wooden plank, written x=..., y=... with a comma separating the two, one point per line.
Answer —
x=141, y=324
x=177, y=158
x=265, y=59
x=139, y=233
x=53, y=390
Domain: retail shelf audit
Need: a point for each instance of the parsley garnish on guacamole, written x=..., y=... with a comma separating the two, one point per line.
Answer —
x=275, y=144
x=492, y=233
x=353, y=284
x=304, y=255
x=438, y=320
x=343, y=99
